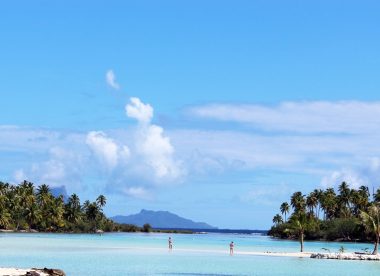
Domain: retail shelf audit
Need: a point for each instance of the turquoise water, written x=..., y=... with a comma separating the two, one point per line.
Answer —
x=197, y=254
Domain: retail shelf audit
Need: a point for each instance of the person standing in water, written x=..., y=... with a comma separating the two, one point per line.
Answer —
x=232, y=248
x=170, y=243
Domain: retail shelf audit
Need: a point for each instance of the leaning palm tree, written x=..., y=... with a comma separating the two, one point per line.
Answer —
x=284, y=208
x=371, y=221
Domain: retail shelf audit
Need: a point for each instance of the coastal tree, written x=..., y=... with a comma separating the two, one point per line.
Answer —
x=284, y=208
x=376, y=196
x=371, y=221
x=297, y=200
x=101, y=201
x=277, y=219
x=311, y=202
x=299, y=223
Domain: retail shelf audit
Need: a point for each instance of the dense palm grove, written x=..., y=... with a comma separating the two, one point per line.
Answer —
x=24, y=207
x=346, y=215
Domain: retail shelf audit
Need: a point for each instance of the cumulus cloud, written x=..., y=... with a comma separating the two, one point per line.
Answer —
x=111, y=80
x=136, y=109
x=350, y=117
x=105, y=149
x=152, y=145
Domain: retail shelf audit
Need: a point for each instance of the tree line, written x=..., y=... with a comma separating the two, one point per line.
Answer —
x=345, y=215
x=24, y=207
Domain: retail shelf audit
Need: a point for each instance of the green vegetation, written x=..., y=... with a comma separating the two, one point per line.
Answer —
x=348, y=215
x=24, y=207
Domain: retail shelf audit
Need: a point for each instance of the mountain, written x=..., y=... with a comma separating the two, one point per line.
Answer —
x=161, y=219
x=59, y=190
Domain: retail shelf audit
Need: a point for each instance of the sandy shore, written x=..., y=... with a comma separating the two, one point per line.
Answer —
x=276, y=254
x=18, y=271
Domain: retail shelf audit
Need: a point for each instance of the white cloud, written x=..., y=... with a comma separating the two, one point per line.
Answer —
x=152, y=145
x=138, y=192
x=266, y=195
x=352, y=177
x=350, y=117
x=111, y=80
x=148, y=155
x=157, y=151
x=105, y=149
x=139, y=111
x=63, y=167
x=367, y=174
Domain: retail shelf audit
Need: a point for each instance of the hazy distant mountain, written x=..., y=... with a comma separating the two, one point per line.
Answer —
x=60, y=190
x=161, y=219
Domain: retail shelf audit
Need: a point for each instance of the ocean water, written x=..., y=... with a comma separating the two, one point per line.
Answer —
x=195, y=254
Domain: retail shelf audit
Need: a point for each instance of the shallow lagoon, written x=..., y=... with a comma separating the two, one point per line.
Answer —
x=197, y=254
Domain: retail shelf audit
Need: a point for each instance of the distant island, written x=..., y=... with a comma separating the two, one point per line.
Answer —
x=161, y=220
x=349, y=215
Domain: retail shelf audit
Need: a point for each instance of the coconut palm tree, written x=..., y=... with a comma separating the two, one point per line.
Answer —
x=311, y=202
x=43, y=192
x=371, y=221
x=317, y=193
x=5, y=216
x=32, y=212
x=277, y=219
x=329, y=203
x=101, y=201
x=73, y=209
x=376, y=196
x=299, y=223
x=284, y=208
x=345, y=194
x=298, y=202
x=92, y=214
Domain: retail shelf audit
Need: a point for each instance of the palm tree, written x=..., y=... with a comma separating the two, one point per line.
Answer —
x=92, y=213
x=317, y=193
x=32, y=213
x=43, y=192
x=73, y=209
x=371, y=221
x=312, y=202
x=5, y=216
x=329, y=203
x=101, y=201
x=345, y=194
x=299, y=223
x=277, y=219
x=376, y=196
x=284, y=208
x=297, y=201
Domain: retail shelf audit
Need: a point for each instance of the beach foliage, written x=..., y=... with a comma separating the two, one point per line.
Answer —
x=346, y=214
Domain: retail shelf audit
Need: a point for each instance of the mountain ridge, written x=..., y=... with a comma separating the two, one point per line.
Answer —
x=160, y=219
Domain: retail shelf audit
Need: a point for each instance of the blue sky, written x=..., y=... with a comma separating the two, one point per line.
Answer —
x=233, y=105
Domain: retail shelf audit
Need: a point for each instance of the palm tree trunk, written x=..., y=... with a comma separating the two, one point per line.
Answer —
x=301, y=241
x=376, y=245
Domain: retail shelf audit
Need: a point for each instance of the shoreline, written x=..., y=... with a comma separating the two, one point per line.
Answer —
x=12, y=271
